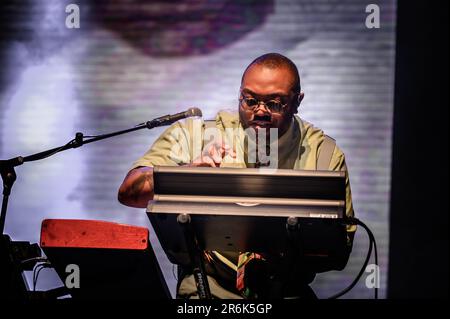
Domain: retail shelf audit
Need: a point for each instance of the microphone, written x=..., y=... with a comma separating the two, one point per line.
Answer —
x=169, y=119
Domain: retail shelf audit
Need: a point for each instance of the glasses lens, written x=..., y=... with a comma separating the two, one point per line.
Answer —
x=251, y=102
x=274, y=106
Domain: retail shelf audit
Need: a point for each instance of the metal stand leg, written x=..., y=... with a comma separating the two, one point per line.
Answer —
x=285, y=268
x=295, y=259
x=196, y=257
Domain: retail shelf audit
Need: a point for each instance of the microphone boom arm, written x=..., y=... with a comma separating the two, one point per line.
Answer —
x=7, y=166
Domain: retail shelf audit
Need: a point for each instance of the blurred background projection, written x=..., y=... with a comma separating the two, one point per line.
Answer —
x=131, y=61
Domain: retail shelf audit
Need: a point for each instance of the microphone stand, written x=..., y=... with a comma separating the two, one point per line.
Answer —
x=9, y=254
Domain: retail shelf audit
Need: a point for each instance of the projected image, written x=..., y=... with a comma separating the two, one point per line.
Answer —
x=127, y=62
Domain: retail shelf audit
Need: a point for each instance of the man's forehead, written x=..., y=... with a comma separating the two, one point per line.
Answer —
x=268, y=94
x=262, y=80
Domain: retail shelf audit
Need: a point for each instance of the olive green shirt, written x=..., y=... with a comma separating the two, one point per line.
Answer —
x=298, y=149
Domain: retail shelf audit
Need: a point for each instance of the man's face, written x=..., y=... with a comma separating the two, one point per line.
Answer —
x=267, y=84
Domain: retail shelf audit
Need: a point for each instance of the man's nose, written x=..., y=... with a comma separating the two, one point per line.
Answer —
x=262, y=108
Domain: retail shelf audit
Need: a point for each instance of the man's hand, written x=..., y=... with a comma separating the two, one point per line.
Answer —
x=213, y=154
x=137, y=187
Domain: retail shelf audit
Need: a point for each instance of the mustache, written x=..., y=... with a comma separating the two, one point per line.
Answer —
x=261, y=118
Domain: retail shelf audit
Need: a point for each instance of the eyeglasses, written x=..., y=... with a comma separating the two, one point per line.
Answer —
x=251, y=103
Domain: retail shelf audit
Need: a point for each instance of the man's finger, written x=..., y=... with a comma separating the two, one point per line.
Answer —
x=208, y=160
x=232, y=153
x=216, y=149
x=216, y=155
x=227, y=150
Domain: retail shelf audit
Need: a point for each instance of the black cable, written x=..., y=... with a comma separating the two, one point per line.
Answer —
x=36, y=259
x=372, y=243
x=376, y=263
x=36, y=272
x=24, y=263
x=34, y=275
x=173, y=273
x=59, y=149
x=37, y=275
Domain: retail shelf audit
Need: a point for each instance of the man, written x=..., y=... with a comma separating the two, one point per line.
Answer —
x=269, y=98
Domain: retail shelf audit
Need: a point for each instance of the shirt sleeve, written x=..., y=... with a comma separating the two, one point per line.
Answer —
x=172, y=148
x=338, y=164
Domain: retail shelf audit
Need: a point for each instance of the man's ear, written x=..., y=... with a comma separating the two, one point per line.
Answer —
x=300, y=97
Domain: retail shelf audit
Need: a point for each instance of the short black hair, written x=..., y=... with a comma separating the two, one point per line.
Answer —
x=276, y=61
